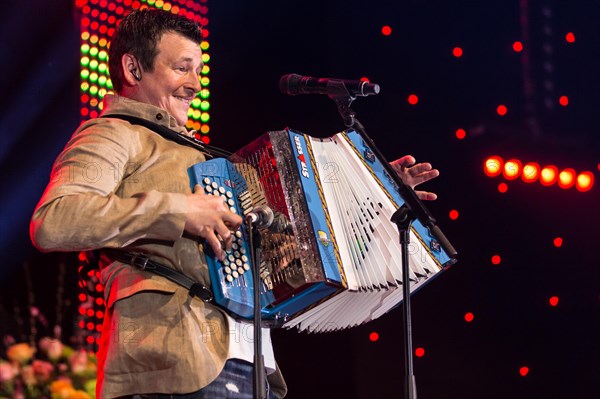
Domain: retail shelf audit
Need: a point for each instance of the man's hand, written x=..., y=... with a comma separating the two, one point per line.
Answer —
x=210, y=218
x=413, y=174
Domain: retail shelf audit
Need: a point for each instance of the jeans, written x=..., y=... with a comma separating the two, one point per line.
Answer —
x=234, y=382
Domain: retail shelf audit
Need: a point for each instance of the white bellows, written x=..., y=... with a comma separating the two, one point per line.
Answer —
x=368, y=243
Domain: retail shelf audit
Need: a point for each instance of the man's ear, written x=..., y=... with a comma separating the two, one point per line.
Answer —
x=131, y=69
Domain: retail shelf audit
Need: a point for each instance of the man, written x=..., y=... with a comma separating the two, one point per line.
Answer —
x=123, y=186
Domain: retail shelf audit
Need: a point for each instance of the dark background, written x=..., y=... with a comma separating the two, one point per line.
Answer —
x=252, y=44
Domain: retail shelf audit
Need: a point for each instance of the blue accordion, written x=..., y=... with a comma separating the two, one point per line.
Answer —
x=332, y=258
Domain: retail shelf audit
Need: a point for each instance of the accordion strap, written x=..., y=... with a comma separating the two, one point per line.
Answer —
x=142, y=262
x=172, y=135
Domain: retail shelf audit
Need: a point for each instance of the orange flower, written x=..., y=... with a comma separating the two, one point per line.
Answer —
x=78, y=395
x=60, y=385
x=20, y=353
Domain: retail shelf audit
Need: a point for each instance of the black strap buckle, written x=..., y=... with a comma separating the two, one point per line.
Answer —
x=139, y=262
x=201, y=292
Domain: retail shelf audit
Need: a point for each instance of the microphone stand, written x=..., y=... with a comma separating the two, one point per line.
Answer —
x=258, y=367
x=411, y=210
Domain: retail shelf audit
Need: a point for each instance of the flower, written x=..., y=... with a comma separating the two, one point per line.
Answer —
x=56, y=372
x=7, y=371
x=20, y=353
x=53, y=348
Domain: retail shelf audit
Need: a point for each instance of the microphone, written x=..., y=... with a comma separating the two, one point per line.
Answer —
x=261, y=216
x=293, y=84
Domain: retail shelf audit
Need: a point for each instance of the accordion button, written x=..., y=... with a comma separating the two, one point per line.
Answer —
x=208, y=189
x=238, y=234
x=238, y=262
x=227, y=270
x=235, y=274
x=229, y=194
x=214, y=185
x=246, y=266
x=244, y=258
x=241, y=270
x=234, y=246
x=232, y=209
x=231, y=258
x=236, y=254
x=206, y=180
x=230, y=202
x=222, y=190
x=242, y=251
x=229, y=278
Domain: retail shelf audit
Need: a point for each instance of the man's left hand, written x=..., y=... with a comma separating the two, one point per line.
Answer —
x=413, y=174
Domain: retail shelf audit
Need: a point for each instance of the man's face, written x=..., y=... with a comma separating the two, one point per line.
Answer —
x=174, y=82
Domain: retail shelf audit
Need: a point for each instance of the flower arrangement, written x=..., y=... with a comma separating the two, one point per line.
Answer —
x=51, y=370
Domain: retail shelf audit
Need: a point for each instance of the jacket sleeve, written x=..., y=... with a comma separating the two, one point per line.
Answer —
x=81, y=209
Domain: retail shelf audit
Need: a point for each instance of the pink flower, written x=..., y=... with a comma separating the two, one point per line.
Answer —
x=7, y=372
x=28, y=375
x=78, y=361
x=20, y=353
x=53, y=348
x=42, y=370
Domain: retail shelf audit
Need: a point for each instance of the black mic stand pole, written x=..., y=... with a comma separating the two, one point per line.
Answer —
x=411, y=210
x=258, y=370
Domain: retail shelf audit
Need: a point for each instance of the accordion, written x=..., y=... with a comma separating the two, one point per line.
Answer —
x=331, y=259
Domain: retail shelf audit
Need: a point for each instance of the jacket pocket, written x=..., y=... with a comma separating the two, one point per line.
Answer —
x=146, y=329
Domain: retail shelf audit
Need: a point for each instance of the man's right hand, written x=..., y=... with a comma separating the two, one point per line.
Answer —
x=210, y=218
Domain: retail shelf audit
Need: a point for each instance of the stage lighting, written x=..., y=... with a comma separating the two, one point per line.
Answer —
x=549, y=175
x=493, y=166
x=531, y=172
x=566, y=178
x=585, y=181
x=512, y=169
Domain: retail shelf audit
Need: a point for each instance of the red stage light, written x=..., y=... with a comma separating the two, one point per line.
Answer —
x=365, y=79
x=90, y=340
x=413, y=99
x=503, y=187
x=531, y=172
x=492, y=166
x=457, y=52
x=570, y=37
x=585, y=181
x=461, y=134
x=386, y=30
x=82, y=297
x=512, y=169
x=558, y=242
x=524, y=371
x=563, y=100
x=469, y=317
x=453, y=214
x=548, y=175
x=566, y=178
x=420, y=352
x=496, y=259
x=501, y=110
x=374, y=336
x=553, y=301
x=517, y=46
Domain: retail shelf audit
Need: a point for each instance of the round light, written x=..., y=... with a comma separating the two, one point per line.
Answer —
x=492, y=166
x=501, y=110
x=531, y=172
x=512, y=169
x=517, y=46
x=457, y=52
x=566, y=178
x=549, y=175
x=585, y=181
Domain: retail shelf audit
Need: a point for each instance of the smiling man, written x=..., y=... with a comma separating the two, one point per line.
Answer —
x=122, y=186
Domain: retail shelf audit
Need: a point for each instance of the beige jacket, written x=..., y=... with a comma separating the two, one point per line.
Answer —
x=119, y=185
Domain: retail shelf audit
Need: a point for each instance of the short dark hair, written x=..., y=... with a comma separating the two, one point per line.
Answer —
x=138, y=34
